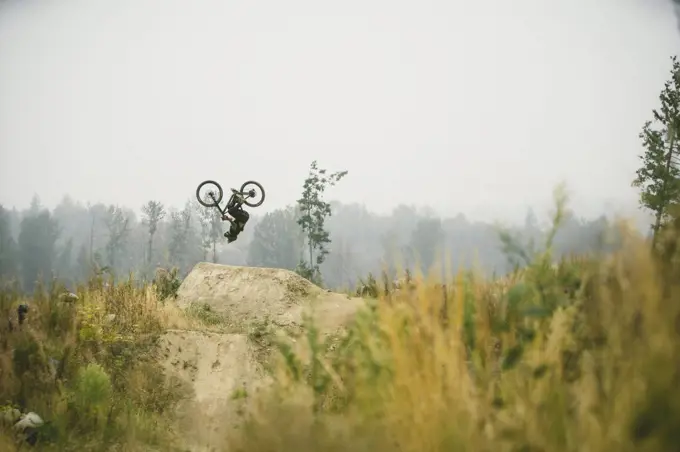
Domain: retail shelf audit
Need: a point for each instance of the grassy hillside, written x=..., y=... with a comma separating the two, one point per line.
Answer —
x=88, y=368
x=579, y=356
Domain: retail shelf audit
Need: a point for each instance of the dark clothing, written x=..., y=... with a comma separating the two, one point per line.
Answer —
x=241, y=217
x=22, y=310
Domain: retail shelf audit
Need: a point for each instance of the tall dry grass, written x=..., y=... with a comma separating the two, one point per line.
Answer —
x=88, y=367
x=580, y=356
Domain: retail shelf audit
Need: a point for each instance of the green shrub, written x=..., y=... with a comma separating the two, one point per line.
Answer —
x=87, y=367
x=167, y=283
x=91, y=395
x=205, y=314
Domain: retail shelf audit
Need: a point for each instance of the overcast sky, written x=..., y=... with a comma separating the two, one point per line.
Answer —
x=479, y=107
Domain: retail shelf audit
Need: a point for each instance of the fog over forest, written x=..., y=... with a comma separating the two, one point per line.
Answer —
x=447, y=118
x=73, y=239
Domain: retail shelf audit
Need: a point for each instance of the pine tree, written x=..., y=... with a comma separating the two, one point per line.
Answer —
x=659, y=176
x=183, y=245
x=8, y=246
x=37, y=240
x=65, y=262
x=211, y=234
x=118, y=225
x=84, y=263
x=277, y=240
x=426, y=240
x=154, y=212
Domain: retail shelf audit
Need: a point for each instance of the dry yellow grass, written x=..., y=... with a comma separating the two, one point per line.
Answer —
x=515, y=365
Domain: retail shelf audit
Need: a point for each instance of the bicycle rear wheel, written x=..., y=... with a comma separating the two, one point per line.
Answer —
x=211, y=196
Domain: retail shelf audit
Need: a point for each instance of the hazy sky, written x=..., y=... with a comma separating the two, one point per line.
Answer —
x=480, y=107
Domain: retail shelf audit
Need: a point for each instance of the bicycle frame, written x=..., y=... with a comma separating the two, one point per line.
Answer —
x=235, y=194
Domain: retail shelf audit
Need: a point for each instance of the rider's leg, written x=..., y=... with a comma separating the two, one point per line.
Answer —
x=232, y=233
x=240, y=218
x=244, y=217
x=230, y=237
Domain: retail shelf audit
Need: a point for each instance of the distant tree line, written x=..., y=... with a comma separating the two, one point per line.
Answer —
x=73, y=241
x=329, y=242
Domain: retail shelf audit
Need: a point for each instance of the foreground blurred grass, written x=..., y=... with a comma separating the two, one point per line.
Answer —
x=87, y=367
x=579, y=356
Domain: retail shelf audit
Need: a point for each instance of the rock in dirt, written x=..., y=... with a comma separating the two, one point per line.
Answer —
x=29, y=420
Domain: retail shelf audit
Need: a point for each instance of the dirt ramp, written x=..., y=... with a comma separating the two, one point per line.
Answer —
x=247, y=294
x=221, y=372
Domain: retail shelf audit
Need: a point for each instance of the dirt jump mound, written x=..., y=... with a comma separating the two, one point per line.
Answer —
x=217, y=367
x=219, y=371
x=247, y=294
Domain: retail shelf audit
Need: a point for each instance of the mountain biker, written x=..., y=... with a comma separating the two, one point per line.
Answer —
x=239, y=217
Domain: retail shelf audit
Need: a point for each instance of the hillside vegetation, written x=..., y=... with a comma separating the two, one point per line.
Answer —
x=88, y=367
x=582, y=355
x=579, y=356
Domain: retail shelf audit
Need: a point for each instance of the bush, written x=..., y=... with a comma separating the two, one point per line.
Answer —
x=91, y=395
x=87, y=367
x=167, y=283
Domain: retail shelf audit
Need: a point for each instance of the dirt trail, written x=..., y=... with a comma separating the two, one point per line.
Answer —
x=220, y=369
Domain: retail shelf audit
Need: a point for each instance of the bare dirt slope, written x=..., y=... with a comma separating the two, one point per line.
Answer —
x=219, y=369
x=249, y=294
